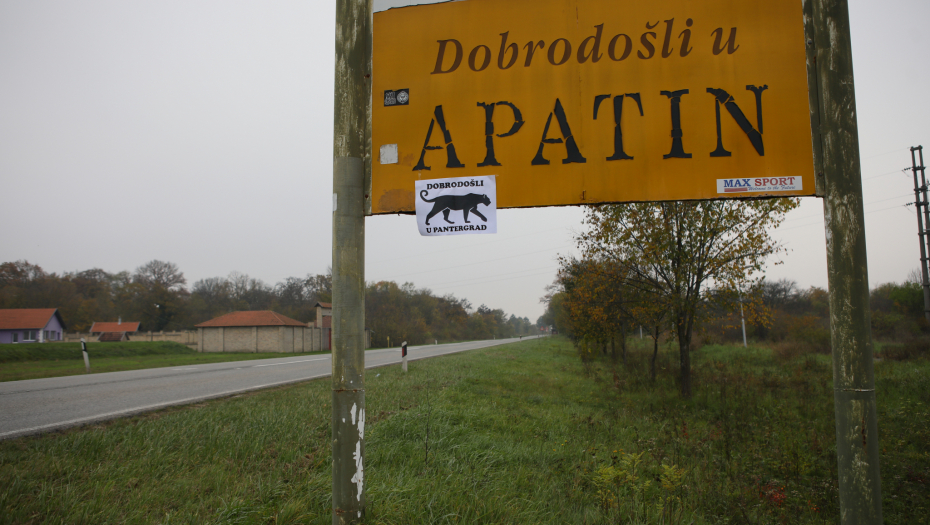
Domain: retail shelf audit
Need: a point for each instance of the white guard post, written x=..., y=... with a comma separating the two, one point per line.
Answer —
x=86, y=357
x=403, y=354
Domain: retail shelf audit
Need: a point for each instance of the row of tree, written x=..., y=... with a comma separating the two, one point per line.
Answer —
x=682, y=269
x=404, y=313
x=663, y=266
x=156, y=295
x=803, y=315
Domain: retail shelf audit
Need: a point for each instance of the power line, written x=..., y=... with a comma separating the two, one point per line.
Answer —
x=821, y=223
x=887, y=153
x=885, y=174
x=864, y=204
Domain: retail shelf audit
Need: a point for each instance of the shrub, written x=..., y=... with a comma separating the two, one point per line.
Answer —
x=913, y=349
x=810, y=330
x=790, y=350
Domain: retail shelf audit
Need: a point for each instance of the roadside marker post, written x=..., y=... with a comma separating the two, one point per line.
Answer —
x=86, y=357
x=403, y=354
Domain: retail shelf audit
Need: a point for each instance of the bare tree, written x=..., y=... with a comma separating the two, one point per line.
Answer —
x=213, y=290
x=292, y=292
x=161, y=273
x=250, y=293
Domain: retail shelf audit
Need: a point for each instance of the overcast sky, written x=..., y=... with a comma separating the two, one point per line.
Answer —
x=200, y=132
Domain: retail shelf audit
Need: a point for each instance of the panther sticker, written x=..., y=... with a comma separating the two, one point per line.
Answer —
x=459, y=206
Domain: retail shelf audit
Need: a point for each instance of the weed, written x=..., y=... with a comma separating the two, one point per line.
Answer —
x=531, y=439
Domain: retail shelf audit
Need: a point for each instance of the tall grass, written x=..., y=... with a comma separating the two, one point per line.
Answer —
x=517, y=434
x=58, y=350
x=36, y=361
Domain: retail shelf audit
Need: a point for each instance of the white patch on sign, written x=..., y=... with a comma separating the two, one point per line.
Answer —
x=359, y=477
x=459, y=206
x=389, y=154
x=759, y=184
x=361, y=424
x=354, y=408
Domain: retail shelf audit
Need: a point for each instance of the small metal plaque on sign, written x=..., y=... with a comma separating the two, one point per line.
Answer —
x=397, y=97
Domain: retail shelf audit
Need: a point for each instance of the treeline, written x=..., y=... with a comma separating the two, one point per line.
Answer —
x=802, y=316
x=691, y=273
x=156, y=294
x=794, y=319
x=405, y=313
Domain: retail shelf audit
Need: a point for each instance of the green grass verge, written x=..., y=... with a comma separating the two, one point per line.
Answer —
x=517, y=434
x=65, y=359
x=58, y=351
x=36, y=361
x=71, y=367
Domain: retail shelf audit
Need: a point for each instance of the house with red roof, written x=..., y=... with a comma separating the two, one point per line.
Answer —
x=30, y=325
x=256, y=331
x=111, y=332
x=324, y=315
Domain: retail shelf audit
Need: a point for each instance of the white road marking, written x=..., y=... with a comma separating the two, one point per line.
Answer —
x=147, y=408
x=292, y=362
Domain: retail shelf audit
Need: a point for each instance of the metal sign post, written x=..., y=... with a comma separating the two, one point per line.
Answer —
x=351, y=173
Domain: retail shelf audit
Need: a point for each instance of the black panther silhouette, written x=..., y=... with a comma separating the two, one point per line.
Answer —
x=463, y=203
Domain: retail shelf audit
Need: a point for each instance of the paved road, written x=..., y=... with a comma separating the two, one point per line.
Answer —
x=41, y=405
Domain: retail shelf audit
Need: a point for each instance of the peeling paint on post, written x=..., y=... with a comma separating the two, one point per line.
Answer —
x=850, y=318
x=351, y=180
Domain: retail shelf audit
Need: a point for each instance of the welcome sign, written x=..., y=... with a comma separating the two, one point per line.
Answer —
x=445, y=205
x=580, y=102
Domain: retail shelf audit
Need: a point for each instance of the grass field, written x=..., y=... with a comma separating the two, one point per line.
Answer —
x=517, y=434
x=64, y=359
x=60, y=351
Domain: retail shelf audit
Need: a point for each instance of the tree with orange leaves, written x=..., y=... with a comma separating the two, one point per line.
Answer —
x=674, y=253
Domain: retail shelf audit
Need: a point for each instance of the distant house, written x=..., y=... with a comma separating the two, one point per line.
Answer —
x=324, y=315
x=110, y=332
x=30, y=325
x=256, y=331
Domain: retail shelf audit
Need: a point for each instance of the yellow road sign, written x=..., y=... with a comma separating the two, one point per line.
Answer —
x=581, y=102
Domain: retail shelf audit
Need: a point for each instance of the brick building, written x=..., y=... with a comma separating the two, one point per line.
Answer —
x=259, y=331
x=110, y=331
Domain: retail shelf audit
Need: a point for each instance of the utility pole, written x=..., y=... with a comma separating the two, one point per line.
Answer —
x=850, y=318
x=923, y=189
x=921, y=204
x=351, y=177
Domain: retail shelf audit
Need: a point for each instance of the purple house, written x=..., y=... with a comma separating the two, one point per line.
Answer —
x=30, y=325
